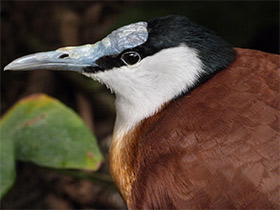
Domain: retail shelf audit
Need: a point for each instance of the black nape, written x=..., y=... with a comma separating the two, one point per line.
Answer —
x=174, y=30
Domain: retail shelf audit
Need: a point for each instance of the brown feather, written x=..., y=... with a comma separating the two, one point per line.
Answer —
x=216, y=147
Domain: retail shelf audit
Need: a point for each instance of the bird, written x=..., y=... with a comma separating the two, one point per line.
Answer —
x=197, y=120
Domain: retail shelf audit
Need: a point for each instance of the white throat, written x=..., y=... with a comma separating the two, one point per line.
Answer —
x=142, y=89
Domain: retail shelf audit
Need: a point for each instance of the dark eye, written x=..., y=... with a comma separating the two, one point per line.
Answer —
x=130, y=58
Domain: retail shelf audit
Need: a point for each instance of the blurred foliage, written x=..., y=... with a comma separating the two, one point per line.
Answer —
x=42, y=130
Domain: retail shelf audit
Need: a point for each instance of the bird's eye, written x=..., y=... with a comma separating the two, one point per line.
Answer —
x=131, y=58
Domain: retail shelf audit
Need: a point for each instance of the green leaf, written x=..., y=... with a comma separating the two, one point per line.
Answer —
x=42, y=130
x=7, y=161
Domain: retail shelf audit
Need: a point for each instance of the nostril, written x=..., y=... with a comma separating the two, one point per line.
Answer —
x=63, y=55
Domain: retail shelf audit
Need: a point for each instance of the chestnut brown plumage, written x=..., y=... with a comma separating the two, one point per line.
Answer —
x=217, y=147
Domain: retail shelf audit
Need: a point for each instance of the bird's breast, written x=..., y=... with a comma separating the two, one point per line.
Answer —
x=123, y=162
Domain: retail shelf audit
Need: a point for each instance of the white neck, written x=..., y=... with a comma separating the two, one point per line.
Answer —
x=142, y=89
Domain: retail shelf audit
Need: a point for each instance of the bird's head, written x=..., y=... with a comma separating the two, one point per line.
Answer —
x=146, y=64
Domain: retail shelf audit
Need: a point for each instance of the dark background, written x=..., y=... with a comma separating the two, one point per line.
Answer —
x=31, y=26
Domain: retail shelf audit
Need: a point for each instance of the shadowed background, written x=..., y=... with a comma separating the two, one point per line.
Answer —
x=29, y=26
